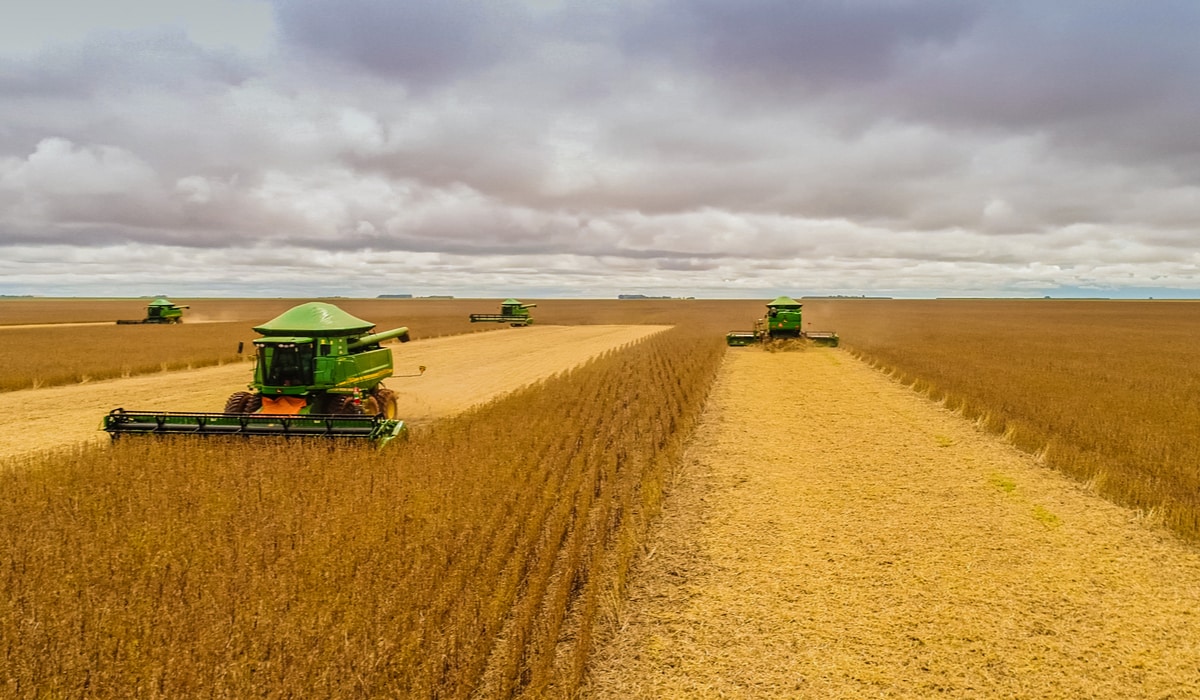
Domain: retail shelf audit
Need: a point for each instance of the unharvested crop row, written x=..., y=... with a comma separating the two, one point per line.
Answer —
x=37, y=357
x=14, y=311
x=1106, y=391
x=476, y=558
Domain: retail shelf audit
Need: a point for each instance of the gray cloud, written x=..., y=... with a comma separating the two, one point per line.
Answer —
x=873, y=145
x=416, y=43
x=780, y=48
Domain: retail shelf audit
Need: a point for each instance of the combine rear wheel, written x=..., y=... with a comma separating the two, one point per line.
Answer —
x=243, y=402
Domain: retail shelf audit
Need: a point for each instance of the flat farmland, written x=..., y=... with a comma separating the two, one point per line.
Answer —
x=612, y=503
x=454, y=565
x=842, y=537
x=461, y=371
x=1103, y=390
x=52, y=342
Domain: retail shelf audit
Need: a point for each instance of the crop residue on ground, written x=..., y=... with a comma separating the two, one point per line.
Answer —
x=839, y=536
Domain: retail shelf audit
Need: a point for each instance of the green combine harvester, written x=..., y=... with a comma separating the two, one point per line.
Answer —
x=512, y=312
x=318, y=373
x=161, y=310
x=782, y=322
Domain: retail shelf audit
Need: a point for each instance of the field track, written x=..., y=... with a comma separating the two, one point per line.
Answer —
x=462, y=371
x=835, y=535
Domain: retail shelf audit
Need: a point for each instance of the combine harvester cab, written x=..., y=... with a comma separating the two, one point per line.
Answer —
x=161, y=310
x=318, y=372
x=783, y=322
x=512, y=312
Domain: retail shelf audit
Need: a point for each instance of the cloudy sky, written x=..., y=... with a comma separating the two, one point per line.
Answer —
x=586, y=148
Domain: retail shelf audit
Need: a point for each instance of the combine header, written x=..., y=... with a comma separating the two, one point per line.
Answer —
x=782, y=322
x=318, y=372
x=512, y=312
x=161, y=310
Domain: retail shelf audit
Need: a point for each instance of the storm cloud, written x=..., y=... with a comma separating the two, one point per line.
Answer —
x=562, y=147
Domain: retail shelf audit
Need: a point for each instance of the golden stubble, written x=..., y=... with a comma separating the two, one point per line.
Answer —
x=836, y=535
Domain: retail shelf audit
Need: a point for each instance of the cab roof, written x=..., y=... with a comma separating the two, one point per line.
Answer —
x=315, y=318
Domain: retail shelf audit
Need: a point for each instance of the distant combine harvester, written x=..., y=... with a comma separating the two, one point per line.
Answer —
x=512, y=312
x=161, y=310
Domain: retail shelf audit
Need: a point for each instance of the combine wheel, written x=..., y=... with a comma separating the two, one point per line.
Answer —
x=243, y=402
x=343, y=404
x=385, y=402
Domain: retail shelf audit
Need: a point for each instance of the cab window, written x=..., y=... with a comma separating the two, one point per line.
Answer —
x=286, y=364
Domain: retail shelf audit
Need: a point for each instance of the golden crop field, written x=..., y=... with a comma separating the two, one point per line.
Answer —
x=478, y=555
x=836, y=536
x=486, y=555
x=1105, y=390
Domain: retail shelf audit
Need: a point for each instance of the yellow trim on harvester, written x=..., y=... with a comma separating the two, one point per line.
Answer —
x=384, y=374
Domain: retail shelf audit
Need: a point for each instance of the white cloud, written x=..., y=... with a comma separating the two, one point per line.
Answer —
x=674, y=144
x=63, y=169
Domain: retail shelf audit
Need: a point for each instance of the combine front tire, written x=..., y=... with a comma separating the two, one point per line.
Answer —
x=243, y=402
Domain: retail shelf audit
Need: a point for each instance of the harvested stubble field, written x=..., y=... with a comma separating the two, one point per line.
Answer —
x=835, y=535
x=484, y=557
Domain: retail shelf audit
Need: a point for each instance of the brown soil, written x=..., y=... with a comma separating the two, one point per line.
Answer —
x=835, y=535
x=462, y=371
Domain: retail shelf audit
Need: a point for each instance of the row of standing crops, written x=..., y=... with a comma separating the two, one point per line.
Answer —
x=476, y=558
x=1106, y=391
